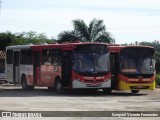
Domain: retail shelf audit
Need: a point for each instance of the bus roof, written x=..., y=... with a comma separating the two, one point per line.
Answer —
x=18, y=47
x=117, y=49
x=61, y=45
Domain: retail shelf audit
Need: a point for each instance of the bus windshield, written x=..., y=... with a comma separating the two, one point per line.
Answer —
x=137, y=64
x=91, y=62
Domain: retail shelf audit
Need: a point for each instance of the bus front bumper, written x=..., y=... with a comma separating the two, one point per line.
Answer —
x=136, y=86
x=80, y=85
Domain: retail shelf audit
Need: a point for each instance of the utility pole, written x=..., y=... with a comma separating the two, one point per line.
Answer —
x=0, y=7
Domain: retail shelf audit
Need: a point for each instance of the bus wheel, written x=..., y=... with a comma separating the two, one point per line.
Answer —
x=51, y=88
x=135, y=91
x=108, y=91
x=92, y=90
x=24, y=84
x=58, y=86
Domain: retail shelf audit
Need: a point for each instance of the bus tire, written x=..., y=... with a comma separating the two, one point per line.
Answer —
x=107, y=91
x=51, y=88
x=92, y=90
x=58, y=86
x=31, y=87
x=24, y=84
x=135, y=91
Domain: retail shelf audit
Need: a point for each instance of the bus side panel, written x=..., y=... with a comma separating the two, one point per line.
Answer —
x=56, y=73
x=48, y=75
x=50, y=67
x=27, y=70
x=9, y=72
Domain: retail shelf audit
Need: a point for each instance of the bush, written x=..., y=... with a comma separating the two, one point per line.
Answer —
x=158, y=79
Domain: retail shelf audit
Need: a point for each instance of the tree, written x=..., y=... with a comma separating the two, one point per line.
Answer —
x=22, y=38
x=95, y=32
x=5, y=40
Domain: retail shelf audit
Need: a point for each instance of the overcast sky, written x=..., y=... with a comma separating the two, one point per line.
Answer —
x=127, y=20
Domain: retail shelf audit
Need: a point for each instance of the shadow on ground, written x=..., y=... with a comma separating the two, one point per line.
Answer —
x=13, y=91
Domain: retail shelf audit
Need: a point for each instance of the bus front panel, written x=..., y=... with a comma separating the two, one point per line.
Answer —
x=91, y=67
x=137, y=69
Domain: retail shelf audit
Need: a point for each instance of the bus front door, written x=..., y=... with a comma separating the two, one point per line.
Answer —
x=16, y=67
x=66, y=68
x=114, y=70
x=36, y=66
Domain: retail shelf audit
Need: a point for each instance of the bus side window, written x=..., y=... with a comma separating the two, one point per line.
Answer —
x=29, y=57
x=56, y=57
x=57, y=61
x=9, y=56
x=46, y=57
x=23, y=57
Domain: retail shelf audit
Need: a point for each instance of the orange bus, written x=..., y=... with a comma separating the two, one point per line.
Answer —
x=132, y=68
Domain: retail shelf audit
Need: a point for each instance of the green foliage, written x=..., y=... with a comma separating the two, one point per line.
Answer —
x=30, y=37
x=22, y=38
x=95, y=32
x=158, y=79
x=155, y=44
x=6, y=39
x=68, y=36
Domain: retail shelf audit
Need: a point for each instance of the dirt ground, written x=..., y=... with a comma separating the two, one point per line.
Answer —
x=13, y=98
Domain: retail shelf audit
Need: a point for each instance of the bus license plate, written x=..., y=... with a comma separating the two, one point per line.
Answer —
x=139, y=86
x=93, y=85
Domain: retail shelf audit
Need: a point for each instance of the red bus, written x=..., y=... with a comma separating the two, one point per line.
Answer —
x=59, y=66
x=132, y=68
